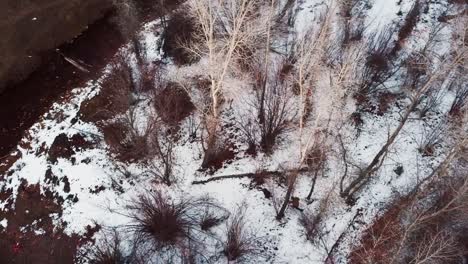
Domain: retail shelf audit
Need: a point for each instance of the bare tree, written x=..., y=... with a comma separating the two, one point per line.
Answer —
x=432, y=212
x=328, y=96
x=440, y=74
x=163, y=167
x=224, y=28
x=274, y=108
x=438, y=248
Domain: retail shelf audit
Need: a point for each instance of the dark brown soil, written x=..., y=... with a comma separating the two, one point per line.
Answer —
x=50, y=246
x=65, y=147
x=114, y=97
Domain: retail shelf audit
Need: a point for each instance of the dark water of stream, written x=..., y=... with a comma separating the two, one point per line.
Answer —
x=23, y=104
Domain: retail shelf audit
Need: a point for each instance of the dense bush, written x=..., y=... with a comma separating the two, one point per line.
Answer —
x=172, y=103
x=164, y=226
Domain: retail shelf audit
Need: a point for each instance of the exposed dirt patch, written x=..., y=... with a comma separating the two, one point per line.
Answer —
x=216, y=157
x=114, y=97
x=65, y=147
x=30, y=236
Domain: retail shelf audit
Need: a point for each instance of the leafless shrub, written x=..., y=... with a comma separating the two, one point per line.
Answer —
x=409, y=23
x=459, y=102
x=162, y=222
x=239, y=242
x=126, y=139
x=274, y=109
x=212, y=218
x=163, y=168
x=312, y=221
x=172, y=103
x=163, y=226
x=180, y=33
x=108, y=250
x=431, y=138
x=277, y=116
x=379, y=66
x=417, y=67
x=249, y=129
x=430, y=101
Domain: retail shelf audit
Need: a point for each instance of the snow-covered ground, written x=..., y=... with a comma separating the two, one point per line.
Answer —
x=284, y=241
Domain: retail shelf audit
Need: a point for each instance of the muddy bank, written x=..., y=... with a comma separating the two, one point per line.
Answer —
x=23, y=104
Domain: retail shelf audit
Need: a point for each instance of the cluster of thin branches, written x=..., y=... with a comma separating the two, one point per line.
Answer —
x=434, y=213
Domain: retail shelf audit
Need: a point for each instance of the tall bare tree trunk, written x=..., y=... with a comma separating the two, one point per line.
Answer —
x=291, y=184
x=364, y=176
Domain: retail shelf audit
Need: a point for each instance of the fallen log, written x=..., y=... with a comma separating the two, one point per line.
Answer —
x=246, y=175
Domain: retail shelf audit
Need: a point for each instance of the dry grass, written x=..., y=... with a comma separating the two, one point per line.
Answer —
x=239, y=242
x=127, y=146
x=108, y=251
x=161, y=225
